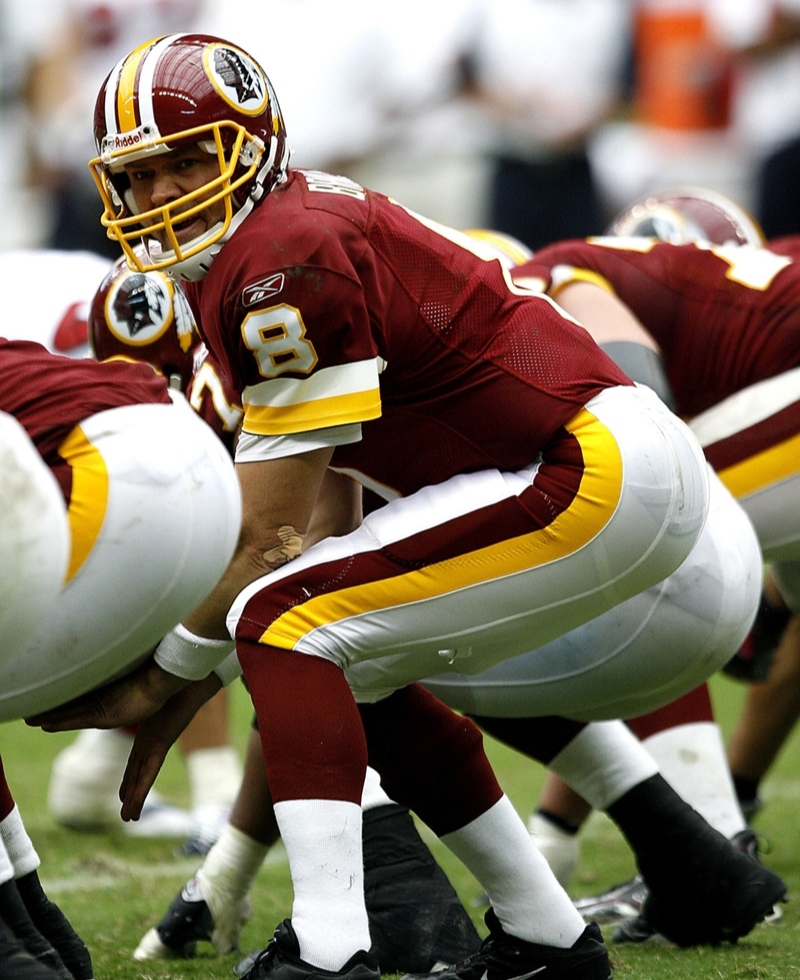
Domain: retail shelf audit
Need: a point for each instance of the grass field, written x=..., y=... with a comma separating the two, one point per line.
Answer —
x=114, y=887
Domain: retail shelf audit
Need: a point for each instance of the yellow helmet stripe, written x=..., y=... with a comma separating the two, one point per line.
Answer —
x=126, y=102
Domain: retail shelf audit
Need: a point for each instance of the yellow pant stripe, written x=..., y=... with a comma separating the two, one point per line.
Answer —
x=588, y=514
x=89, y=497
x=763, y=469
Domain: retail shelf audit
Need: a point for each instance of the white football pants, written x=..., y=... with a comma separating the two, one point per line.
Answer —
x=155, y=514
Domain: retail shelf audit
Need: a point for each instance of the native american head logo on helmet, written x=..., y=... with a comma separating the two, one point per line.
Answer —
x=143, y=316
x=139, y=302
x=240, y=74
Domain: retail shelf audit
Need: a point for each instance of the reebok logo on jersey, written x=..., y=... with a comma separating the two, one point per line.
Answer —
x=263, y=289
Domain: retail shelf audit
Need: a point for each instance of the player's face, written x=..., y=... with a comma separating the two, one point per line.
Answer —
x=161, y=180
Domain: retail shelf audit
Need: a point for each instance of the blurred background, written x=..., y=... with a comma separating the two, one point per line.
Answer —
x=539, y=118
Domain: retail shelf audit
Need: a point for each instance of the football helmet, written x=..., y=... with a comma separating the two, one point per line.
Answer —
x=144, y=316
x=508, y=250
x=688, y=214
x=176, y=91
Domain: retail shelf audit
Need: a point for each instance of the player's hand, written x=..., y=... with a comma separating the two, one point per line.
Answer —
x=154, y=738
x=126, y=701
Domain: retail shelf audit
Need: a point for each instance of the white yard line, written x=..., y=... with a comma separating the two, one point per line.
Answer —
x=119, y=873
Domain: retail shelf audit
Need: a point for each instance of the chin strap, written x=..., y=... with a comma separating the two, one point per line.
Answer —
x=198, y=265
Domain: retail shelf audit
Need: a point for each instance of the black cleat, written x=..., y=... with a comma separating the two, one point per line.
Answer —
x=191, y=918
x=281, y=961
x=504, y=957
x=187, y=921
x=19, y=923
x=55, y=927
x=22, y=966
x=735, y=894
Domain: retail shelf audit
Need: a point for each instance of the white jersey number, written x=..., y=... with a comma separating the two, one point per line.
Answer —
x=277, y=338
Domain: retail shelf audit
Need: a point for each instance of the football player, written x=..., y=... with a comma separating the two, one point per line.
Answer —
x=712, y=331
x=122, y=476
x=530, y=486
x=139, y=474
x=34, y=554
x=136, y=317
x=209, y=908
x=139, y=316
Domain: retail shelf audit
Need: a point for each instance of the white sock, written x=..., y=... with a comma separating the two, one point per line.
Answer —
x=231, y=865
x=215, y=776
x=603, y=762
x=692, y=759
x=524, y=893
x=105, y=752
x=373, y=793
x=323, y=843
x=18, y=844
x=560, y=849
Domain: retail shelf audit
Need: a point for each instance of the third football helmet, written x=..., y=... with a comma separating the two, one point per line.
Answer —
x=144, y=316
x=177, y=91
x=688, y=214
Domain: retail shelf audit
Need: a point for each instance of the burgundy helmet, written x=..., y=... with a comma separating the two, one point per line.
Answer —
x=688, y=214
x=180, y=90
x=143, y=316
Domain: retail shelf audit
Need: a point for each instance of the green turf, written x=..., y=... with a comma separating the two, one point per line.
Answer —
x=113, y=887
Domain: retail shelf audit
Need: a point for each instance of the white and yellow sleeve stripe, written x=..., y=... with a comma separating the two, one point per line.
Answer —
x=340, y=395
x=565, y=275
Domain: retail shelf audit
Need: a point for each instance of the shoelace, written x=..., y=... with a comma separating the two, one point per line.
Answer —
x=263, y=957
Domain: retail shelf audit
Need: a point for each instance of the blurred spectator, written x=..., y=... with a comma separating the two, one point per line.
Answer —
x=369, y=93
x=21, y=26
x=767, y=111
x=679, y=131
x=547, y=74
x=70, y=56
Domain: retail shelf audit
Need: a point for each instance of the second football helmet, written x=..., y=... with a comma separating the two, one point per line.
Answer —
x=509, y=251
x=177, y=91
x=144, y=316
x=688, y=214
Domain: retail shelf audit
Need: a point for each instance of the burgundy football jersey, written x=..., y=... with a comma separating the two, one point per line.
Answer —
x=332, y=305
x=49, y=395
x=211, y=395
x=724, y=317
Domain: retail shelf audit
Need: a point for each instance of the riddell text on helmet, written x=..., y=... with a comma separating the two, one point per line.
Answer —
x=123, y=141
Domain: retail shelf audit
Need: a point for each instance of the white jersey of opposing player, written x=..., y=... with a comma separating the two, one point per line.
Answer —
x=49, y=293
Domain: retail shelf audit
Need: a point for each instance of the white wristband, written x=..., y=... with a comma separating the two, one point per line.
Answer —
x=229, y=669
x=189, y=656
